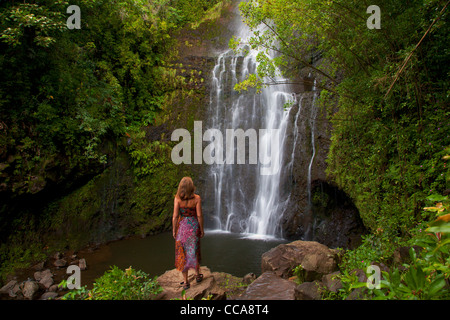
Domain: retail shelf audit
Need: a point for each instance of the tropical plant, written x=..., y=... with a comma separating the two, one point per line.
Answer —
x=427, y=274
x=117, y=284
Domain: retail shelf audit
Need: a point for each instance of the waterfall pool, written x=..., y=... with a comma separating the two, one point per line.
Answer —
x=237, y=254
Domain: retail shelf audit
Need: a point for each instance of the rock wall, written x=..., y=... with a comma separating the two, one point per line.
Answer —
x=317, y=209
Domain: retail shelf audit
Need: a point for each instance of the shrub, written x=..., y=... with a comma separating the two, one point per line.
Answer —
x=425, y=277
x=117, y=284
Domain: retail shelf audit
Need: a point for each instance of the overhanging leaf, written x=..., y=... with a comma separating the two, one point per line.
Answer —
x=443, y=227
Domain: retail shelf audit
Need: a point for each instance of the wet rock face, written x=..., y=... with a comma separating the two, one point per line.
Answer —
x=336, y=219
x=331, y=218
x=317, y=210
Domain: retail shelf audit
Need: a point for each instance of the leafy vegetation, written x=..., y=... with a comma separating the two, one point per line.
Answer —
x=426, y=273
x=80, y=103
x=65, y=92
x=117, y=284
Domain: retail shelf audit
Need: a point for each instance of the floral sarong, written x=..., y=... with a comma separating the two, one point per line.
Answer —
x=187, y=242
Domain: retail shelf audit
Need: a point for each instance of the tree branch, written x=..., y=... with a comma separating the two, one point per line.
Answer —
x=417, y=45
x=306, y=64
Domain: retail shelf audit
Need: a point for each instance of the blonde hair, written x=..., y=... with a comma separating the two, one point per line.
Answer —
x=186, y=189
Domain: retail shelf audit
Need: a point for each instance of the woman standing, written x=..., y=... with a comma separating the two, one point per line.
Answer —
x=187, y=222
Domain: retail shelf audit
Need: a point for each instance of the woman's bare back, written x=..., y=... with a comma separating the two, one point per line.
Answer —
x=190, y=202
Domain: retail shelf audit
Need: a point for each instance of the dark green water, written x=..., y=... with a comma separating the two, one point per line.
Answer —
x=224, y=252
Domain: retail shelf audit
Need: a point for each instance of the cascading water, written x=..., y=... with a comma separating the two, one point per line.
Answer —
x=244, y=200
x=312, y=121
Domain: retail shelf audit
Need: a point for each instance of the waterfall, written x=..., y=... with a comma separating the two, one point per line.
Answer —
x=312, y=124
x=243, y=199
x=312, y=120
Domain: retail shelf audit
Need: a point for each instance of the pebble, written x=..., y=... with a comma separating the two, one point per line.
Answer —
x=48, y=295
x=60, y=263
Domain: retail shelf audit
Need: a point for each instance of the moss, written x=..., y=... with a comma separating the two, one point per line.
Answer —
x=320, y=199
x=213, y=13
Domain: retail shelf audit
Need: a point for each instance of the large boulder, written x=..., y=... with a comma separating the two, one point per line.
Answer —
x=171, y=280
x=269, y=286
x=316, y=260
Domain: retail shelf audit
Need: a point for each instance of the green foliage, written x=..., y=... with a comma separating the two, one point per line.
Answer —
x=425, y=277
x=68, y=99
x=232, y=285
x=117, y=284
x=349, y=281
x=251, y=82
x=299, y=273
x=185, y=11
x=45, y=20
x=15, y=257
x=64, y=94
x=148, y=156
x=185, y=297
x=416, y=283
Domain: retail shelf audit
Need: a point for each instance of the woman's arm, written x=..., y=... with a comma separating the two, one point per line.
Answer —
x=176, y=212
x=200, y=216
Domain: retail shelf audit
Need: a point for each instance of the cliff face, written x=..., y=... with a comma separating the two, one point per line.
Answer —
x=317, y=209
